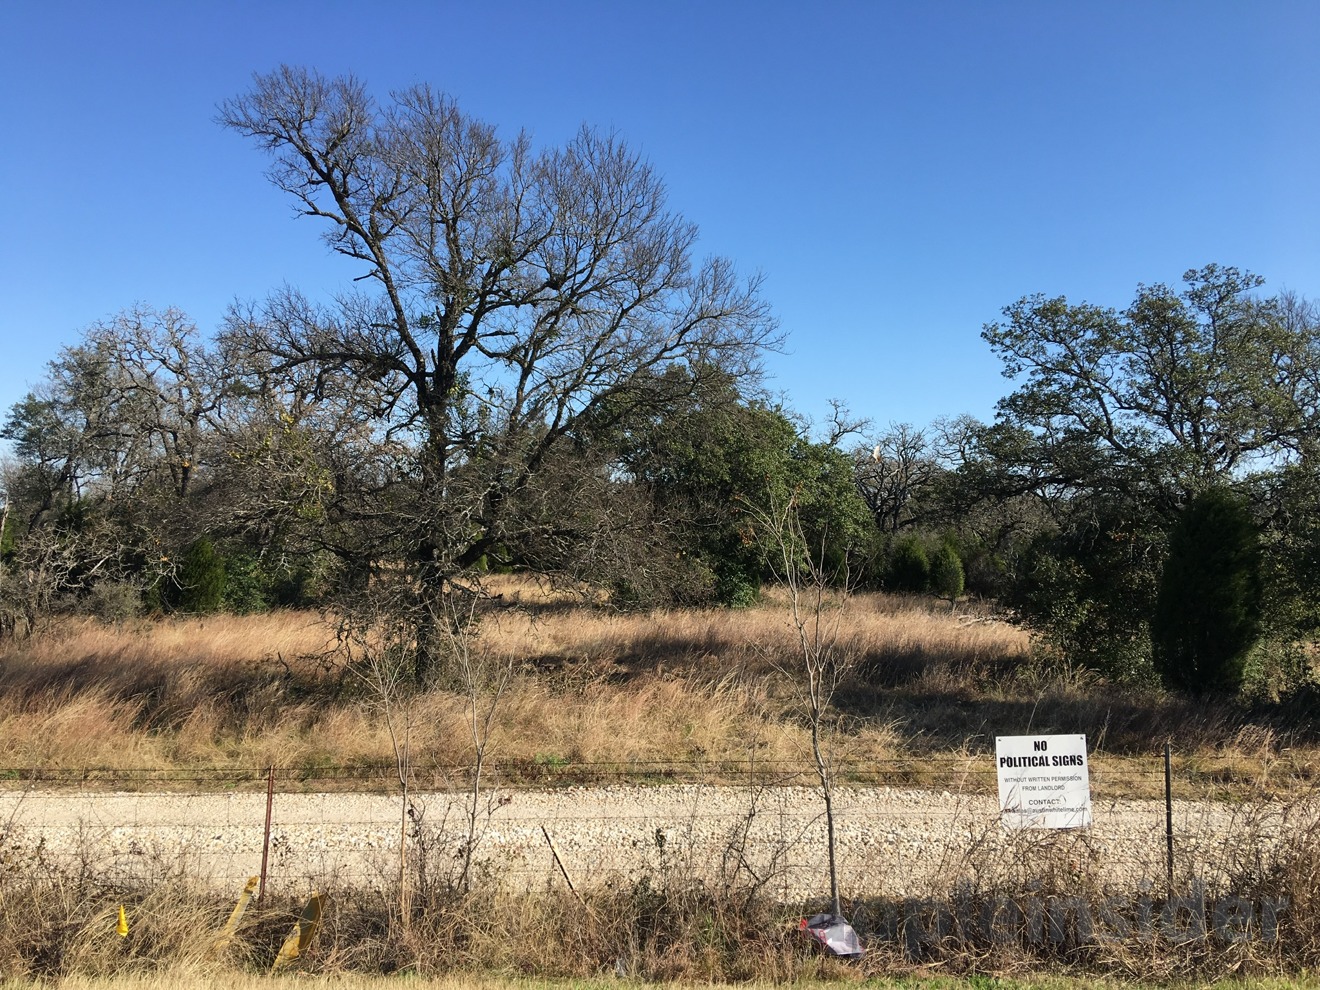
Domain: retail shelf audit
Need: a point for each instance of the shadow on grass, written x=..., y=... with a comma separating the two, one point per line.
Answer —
x=936, y=709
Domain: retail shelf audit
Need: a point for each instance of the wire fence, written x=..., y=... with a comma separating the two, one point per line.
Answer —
x=904, y=827
x=1193, y=778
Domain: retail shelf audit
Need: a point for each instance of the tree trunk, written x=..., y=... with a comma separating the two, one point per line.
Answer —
x=827, y=793
x=432, y=591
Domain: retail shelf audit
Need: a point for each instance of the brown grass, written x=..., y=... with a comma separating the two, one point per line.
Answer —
x=669, y=689
x=600, y=686
x=58, y=926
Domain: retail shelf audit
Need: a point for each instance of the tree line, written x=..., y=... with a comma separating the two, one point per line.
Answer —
x=533, y=371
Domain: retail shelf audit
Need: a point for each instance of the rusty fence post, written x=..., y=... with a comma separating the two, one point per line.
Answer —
x=265, y=838
x=1168, y=813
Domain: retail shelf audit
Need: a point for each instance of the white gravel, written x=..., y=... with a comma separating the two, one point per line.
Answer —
x=891, y=841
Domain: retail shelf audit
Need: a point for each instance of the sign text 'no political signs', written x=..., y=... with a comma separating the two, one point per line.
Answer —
x=1043, y=781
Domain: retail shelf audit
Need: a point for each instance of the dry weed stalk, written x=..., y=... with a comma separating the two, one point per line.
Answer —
x=816, y=595
x=389, y=684
x=483, y=678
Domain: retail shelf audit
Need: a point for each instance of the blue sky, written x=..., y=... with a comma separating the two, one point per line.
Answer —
x=898, y=172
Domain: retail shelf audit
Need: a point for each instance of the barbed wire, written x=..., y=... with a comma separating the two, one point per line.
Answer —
x=551, y=770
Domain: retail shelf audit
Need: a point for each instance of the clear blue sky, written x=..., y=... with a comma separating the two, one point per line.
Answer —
x=898, y=172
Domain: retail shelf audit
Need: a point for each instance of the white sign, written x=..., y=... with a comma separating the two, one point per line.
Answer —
x=1044, y=781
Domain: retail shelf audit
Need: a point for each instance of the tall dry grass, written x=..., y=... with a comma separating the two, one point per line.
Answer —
x=592, y=685
x=161, y=693
x=57, y=923
x=205, y=977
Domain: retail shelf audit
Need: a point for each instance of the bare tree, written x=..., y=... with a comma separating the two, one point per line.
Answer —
x=816, y=600
x=507, y=296
x=842, y=424
x=6, y=470
x=156, y=364
x=894, y=473
x=50, y=566
x=126, y=414
x=376, y=652
x=107, y=450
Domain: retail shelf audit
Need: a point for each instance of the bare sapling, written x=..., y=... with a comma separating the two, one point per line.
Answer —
x=384, y=673
x=482, y=677
x=381, y=637
x=817, y=594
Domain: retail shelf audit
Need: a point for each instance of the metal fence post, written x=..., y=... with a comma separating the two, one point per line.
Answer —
x=265, y=839
x=1168, y=812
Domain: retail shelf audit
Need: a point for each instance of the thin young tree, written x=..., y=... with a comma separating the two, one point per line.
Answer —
x=482, y=676
x=373, y=655
x=816, y=595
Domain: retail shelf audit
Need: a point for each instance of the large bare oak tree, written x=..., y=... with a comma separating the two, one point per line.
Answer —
x=508, y=295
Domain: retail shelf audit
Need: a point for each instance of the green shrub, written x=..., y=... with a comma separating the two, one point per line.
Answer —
x=946, y=572
x=247, y=585
x=736, y=587
x=909, y=566
x=199, y=585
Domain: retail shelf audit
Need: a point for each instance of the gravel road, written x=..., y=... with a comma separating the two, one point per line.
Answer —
x=892, y=841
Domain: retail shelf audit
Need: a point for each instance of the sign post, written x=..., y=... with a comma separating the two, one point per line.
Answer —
x=1044, y=781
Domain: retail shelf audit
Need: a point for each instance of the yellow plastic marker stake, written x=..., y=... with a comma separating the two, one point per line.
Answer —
x=235, y=916
x=121, y=929
x=301, y=936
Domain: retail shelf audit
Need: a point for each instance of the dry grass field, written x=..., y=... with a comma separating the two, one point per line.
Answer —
x=186, y=978
x=196, y=979
x=592, y=685
x=930, y=684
